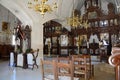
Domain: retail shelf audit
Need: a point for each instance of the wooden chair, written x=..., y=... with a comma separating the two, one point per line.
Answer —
x=48, y=70
x=31, y=59
x=64, y=71
x=81, y=66
x=90, y=67
x=35, y=56
x=63, y=59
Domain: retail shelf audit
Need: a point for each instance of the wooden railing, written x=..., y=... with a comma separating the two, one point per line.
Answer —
x=114, y=60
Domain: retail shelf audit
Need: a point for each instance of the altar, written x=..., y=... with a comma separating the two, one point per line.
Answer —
x=27, y=60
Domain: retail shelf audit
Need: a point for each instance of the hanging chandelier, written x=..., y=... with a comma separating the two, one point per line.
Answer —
x=41, y=6
x=73, y=21
x=77, y=21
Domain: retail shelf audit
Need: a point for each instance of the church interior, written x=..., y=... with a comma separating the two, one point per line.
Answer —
x=60, y=39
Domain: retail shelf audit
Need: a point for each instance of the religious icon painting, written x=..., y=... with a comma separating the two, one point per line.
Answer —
x=4, y=26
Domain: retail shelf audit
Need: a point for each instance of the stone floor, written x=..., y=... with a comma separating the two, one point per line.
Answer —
x=102, y=71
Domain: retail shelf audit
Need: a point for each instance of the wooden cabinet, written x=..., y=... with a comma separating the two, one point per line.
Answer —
x=5, y=51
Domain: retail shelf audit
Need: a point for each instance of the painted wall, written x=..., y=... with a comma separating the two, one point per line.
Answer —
x=6, y=17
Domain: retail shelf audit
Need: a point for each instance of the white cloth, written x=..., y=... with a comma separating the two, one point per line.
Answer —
x=11, y=59
x=20, y=59
x=18, y=41
x=93, y=37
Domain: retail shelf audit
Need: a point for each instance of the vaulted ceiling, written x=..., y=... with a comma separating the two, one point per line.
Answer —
x=20, y=9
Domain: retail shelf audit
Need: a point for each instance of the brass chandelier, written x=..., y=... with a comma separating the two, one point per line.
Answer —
x=41, y=6
x=77, y=21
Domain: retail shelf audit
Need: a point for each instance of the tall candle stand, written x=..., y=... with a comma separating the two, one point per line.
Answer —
x=78, y=45
x=49, y=48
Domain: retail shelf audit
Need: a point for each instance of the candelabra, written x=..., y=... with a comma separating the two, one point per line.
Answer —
x=49, y=48
x=76, y=21
x=78, y=44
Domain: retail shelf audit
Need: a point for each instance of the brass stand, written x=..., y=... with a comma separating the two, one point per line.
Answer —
x=49, y=48
x=78, y=49
x=78, y=45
